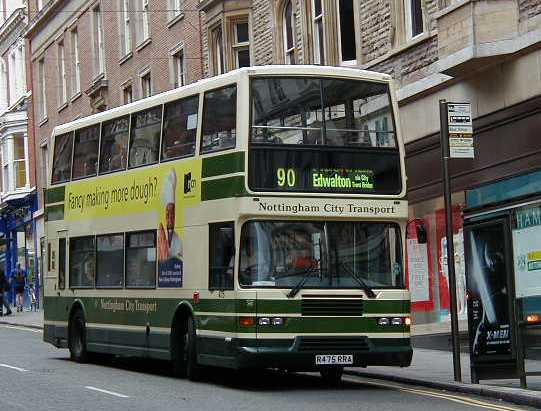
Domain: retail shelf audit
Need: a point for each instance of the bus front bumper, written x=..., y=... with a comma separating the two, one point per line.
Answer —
x=296, y=354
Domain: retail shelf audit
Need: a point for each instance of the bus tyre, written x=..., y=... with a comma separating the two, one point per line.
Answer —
x=77, y=337
x=332, y=375
x=193, y=370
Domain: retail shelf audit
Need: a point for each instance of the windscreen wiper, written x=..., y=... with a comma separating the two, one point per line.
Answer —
x=307, y=273
x=369, y=292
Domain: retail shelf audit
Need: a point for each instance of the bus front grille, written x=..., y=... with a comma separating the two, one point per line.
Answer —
x=320, y=344
x=331, y=307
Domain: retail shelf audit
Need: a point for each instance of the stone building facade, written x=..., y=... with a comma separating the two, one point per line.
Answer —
x=486, y=52
x=18, y=242
x=91, y=55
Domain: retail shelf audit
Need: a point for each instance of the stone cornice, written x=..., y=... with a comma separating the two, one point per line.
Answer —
x=12, y=23
x=47, y=10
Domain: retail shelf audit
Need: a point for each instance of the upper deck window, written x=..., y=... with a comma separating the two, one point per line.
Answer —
x=314, y=111
x=114, y=144
x=180, y=128
x=326, y=135
x=63, y=147
x=219, y=119
x=85, y=152
x=145, y=137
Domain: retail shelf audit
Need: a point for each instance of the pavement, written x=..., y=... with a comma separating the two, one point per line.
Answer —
x=431, y=368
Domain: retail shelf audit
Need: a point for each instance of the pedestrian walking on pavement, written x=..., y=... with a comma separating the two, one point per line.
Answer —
x=4, y=287
x=20, y=283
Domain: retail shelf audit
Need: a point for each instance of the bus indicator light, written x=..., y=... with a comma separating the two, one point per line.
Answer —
x=247, y=321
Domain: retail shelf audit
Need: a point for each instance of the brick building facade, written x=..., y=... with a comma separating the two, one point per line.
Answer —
x=89, y=56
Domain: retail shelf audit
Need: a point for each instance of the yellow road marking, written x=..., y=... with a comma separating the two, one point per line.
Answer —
x=449, y=397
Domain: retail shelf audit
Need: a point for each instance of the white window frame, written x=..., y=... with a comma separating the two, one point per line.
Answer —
x=237, y=46
x=145, y=19
x=178, y=67
x=62, y=76
x=142, y=79
x=12, y=74
x=76, y=62
x=318, y=42
x=217, y=54
x=9, y=168
x=290, y=53
x=4, y=99
x=126, y=28
x=97, y=30
x=408, y=20
x=127, y=85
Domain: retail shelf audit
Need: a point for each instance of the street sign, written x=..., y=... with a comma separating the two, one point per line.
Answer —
x=460, y=130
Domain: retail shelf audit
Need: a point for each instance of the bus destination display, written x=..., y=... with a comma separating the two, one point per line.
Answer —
x=326, y=179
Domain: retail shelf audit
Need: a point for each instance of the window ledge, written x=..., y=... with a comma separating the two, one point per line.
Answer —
x=76, y=96
x=62, y=107
x=125, y=58
x=145, y=43
x=401, y=48
x=175, y=20
x=43, y=121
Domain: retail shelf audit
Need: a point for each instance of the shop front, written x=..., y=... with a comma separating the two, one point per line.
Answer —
x=19, y=242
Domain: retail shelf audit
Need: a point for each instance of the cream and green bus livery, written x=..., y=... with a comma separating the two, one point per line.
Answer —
x=254, y=219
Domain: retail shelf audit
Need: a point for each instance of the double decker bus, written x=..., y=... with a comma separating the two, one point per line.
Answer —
x=254, y=219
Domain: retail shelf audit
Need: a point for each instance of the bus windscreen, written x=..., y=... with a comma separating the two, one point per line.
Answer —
x=322, y=135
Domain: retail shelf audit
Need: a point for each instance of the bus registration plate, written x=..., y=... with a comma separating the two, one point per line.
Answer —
x=343, y=359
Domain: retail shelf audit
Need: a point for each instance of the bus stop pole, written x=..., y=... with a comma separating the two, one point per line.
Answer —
x=445, y=154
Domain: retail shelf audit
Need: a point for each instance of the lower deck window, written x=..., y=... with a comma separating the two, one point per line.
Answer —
x=141, y=259
x=110, y=260
x=82, y=262
x=221, y=256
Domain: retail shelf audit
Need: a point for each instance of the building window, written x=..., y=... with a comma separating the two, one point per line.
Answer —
x=348, y=46
x=145, y=20
x=241, y=44
x=5, y=166
x=146, y=85
x=19, y=161
x=12, y=74
x=62, y=78
x=75, y=62
x=44, y=165
x=127, y=94
x=319, y=32
x=99, y=63
x=179, y=78
x=175, y=8
x=3, y=86
x=288, y=30
x=217, y=51
x=42, y=91
x=414, y=18
x=125, y=27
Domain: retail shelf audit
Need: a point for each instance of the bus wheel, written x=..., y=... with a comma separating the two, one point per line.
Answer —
x=332, y=375
x=193, y=370
x=77, y=337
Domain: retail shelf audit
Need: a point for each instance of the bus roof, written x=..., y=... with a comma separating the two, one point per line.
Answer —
x=217, y=81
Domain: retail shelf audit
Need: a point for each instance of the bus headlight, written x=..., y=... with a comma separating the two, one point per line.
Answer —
x=397, y=321
x=278, y=321
x=267, y=321
x=383, y=321
x=264, y=321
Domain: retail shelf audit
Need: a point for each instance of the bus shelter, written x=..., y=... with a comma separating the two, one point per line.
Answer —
x=502, y=238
